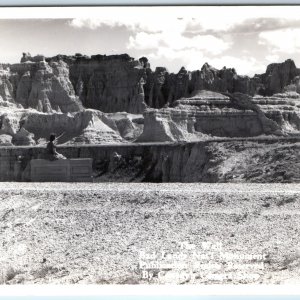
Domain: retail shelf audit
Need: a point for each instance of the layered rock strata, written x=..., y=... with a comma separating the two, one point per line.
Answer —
x=224, y=115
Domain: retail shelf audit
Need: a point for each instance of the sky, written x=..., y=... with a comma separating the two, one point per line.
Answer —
x=246, y=38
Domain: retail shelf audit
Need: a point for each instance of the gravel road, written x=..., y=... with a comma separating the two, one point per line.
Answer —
x=132, y=233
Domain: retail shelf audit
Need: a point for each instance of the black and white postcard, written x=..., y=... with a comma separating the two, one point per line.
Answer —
x=150, y=145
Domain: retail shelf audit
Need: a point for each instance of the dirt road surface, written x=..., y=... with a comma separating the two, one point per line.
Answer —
x=144, y=233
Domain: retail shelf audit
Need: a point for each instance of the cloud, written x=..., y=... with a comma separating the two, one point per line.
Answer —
x=192, y=35
x=244, y=65
x=272, y=58
x=176, y=41
x=186, y=55
x=194, y=59
x=199, y=19
x=264, y=24
x=169, y=42
x=248, y=26
x=149, y=20
x=143, y=41
x=191, y=59
x=286, y=40
x=124, y=21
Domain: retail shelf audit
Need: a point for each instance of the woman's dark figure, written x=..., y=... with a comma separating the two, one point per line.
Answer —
x=51, y=149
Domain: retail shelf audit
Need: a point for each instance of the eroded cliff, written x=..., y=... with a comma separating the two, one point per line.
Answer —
x=187, y=106
x=209, y=114
x=43, y=86
x=119, y=83
x=169, y=87
x=107, y=83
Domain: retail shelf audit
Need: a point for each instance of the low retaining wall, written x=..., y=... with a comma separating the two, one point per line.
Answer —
x=68, y=170
x=159, y=162
x=14, y=161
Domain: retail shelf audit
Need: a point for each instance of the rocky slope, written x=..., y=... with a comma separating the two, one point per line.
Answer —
x=22, y=127
x=211, y=161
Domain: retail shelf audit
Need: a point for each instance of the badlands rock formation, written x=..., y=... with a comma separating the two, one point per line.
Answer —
x=118, y=83
x=115, y=100
x=209, y=114
x=107, y=83
x=30, y=127
x=278, y=76
x=43, y=86
x=6, y=85
x=171, y=87
x=37, y=97
x=112, y=99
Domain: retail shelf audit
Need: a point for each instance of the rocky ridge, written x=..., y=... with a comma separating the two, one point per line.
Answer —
x=120, y=83
x=169, y=87
x=101, y=99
